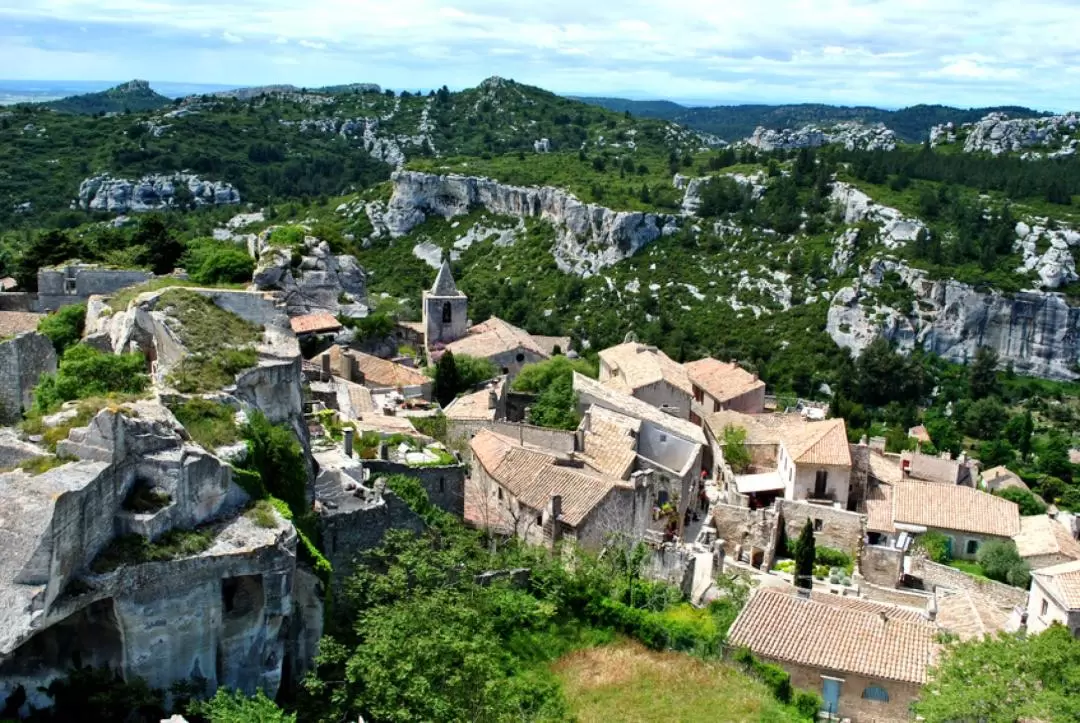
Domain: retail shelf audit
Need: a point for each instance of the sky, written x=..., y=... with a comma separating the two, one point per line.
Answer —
x=888, y=53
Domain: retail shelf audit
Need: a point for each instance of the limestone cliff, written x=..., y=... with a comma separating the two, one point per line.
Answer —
x=318, y=281
x=1037, y=332
x=589, y=237
x=153, y=192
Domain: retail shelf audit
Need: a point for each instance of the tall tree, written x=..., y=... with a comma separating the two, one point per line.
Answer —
x=447, y=378
x=805, y=553
x=982, y=377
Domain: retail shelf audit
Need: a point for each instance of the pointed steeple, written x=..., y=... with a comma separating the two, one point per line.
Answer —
x=444, y=283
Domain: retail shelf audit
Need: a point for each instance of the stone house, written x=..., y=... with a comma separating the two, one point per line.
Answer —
x=375, y=373
x=1055, y=598
x=867, y=660
x=446, y=327
x=944, y=470
x=646, y=373
x=544, y=498
x=1000, y=478
x=791, y=457
x=717, y=385
x=967, y=517
x=619, y=429
x=1044, y=542
x=75, y=282
x=484, y=405
x=24, y=357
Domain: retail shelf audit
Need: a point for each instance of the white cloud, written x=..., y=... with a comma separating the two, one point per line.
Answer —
x=891, y=53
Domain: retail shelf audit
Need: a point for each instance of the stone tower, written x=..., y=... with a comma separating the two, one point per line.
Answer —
x=446, y=310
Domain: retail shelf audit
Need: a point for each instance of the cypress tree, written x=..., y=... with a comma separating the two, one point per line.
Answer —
x=804, y=556
x=447, y=379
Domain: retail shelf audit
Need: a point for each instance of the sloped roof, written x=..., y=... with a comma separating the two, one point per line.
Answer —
x=475, y=406
x=723, y=381
x=1000, y=477
x=548, y=343
x=878, y=641
x=952, y=507
x=885, y=469
x=918, y=432
x=495, y=336
x=533, y=476
x=806, y=442
x=879, y=509
x=638, y=365
x=610, y=442
x=630, y=406
x=314, y=323
x=385, y=373
x=444, y=282
x=1063, y=582
x=1043, y=535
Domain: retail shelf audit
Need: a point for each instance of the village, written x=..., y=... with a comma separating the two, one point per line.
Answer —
x=695, y=461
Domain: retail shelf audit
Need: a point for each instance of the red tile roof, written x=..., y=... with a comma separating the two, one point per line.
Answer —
x=314, y=323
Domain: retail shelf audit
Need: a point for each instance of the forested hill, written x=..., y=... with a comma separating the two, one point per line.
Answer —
x=734, y=122
x=133, y=96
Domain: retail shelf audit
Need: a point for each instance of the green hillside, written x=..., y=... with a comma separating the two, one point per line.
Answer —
x=133, y=96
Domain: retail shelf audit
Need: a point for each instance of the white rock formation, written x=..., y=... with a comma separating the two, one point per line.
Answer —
x=850, y=134
x=855, y=206
x=320, y=281
x=1037, y=332
x=996, y=133
x=1055, y=266
x=153, y=192
x=589, y=237
x=693, y=187
x=542, y=145
x=767, y=139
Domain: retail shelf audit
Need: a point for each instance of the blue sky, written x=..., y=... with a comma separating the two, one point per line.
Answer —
x=881, y=52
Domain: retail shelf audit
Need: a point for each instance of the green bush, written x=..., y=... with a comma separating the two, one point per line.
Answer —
x=64, y=327
x=136, y=549
x=211, y=424
x=936, y=546
x=234, y=707
x=86, y=372
x=214, y=262
x=1001, y=561
x=775, y=678
x=1029, y=504
x=276, y=455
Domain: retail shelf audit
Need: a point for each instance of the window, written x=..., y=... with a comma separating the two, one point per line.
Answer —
x=540, y=520
x=442, y=484
x=520, y=357
x=663, y=437
x=876, y=692
x=699, y=394
x=1045, y=607
x=818, y=525
x=447, y=313
x=716, y=406
x=972, y=547
x=500, y=492
x=821, y=480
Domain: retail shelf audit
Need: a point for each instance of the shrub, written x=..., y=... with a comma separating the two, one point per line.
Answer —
x=1001, y=561
x=735, y=452
x=136, y=549
x=263, y=514
x=278, y=458
x=64, y=327
x=86, y=372
x=936, y=546
x=1029, y=504
x=211, y=424
x=214, y=262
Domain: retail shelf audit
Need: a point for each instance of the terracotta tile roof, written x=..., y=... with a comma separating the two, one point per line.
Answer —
x=951, y=507
x=1063, y=582
x=969, y=616
x=548, y=343
x=16, y=322
x=616, y=401
x=384, y=373
x=885, y=468
x=1043, y=535
x=475, y=406
x=806, y=442
x=637, y=365
x=919, y=433
x=495, y=336
x=861, y=604
x=999, y=478
x=723, y=381
x=878, y=641
x=610, y=442
x=879, y=509
x=533, y=476
x=314, y=323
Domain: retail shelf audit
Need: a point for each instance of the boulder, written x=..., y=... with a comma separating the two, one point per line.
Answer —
x=319, y=281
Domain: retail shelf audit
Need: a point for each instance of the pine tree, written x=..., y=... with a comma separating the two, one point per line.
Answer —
x=805, y=552
x=982, y=377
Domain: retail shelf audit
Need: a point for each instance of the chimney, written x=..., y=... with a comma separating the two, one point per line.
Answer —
x=348, y=432
x=556, y=512
x=803, y=592
x=931, y=607
x=325, y=359
x=493, y=398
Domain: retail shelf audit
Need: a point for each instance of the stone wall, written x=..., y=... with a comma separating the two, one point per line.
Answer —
x=894, y=596
x=881, y=565
x=19, y=301
x=557, y=440
x=516, y=404
x=445, y=486
x=349, y=534
x=53, y=291
x=23, y=359
x=747, y=535
x=672, y=565
x=838, y=529
x=852, y=705
x=934, y=575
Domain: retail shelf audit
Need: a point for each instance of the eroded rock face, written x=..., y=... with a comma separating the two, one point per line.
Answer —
x=317, y=281
x=997, y=133
x=855, y=206
x=694, y=186
x=1048, y=252
x=1037, y=332
x=589, y=237
x=153, y=192
x=850, y=134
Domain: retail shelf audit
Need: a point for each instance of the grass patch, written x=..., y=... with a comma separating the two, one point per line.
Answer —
x=144, y=499
x=87, y=409
x=122, y=299
x=646, y=686
x=136, y=549
x=220, y=342
x=968, y=566
x=39, y=465
x=210, y=424
x=263, y=515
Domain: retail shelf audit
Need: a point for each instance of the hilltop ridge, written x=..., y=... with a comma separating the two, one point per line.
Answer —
x=134, y=96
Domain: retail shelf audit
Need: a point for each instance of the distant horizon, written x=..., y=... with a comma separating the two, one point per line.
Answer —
x=172, y=89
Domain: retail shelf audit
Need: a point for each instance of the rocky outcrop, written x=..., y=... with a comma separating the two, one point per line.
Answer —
x=23, y=359
x=1048, y=252
x=1037, y=332
x=855, y=206
x=588, y=237
x=850, y=134
x=693, y=187
x=310, y=278
x=997, y=133
x=153, y=192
